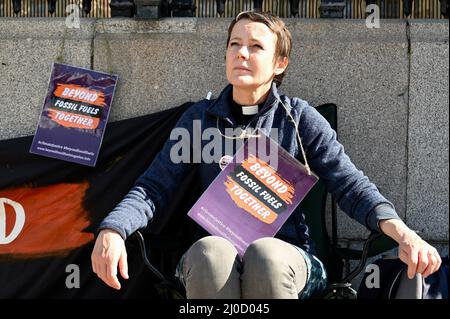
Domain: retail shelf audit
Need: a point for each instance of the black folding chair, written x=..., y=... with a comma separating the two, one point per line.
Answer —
x=314, y=206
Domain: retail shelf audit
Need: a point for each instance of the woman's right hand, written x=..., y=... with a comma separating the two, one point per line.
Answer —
x=109, y=252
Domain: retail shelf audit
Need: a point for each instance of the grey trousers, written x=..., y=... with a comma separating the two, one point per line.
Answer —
x=269, y=269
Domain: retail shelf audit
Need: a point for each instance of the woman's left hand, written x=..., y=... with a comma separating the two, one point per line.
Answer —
x=421, y=257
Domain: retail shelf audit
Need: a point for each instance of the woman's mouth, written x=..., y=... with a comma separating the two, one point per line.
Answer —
x=242, y=69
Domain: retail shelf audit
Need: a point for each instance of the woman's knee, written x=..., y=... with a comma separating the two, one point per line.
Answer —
x=273, y=259
x=211, y=251
x=264, y=251
x=211, y=269
x=274, y=265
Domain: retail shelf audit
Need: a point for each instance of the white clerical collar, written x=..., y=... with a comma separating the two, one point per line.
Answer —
x=250, y=109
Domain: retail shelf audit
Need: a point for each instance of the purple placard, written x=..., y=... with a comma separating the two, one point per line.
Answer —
x=254, y=194
x=75, y=113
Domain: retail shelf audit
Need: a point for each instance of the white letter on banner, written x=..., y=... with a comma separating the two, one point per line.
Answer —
x=20, y=221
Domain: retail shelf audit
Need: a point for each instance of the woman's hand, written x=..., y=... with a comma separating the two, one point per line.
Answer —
x=108, y=253
x=421, y=257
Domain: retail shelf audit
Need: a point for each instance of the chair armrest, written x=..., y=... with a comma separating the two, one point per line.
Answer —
x=364, y=255
x=166, y=287
x=140, y=238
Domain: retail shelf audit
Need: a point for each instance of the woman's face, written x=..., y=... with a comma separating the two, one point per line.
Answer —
x=250, y=55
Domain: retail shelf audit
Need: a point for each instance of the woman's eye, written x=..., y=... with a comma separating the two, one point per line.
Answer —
x=258, y=46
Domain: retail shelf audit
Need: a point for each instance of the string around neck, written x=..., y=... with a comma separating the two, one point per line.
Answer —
x=308, y=169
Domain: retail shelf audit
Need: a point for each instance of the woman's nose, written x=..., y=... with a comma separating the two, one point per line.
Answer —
x=243, y=52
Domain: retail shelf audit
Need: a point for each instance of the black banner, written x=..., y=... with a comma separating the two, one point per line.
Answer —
x=49, y=210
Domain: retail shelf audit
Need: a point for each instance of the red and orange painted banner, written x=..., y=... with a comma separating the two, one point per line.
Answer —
x=43, y=221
